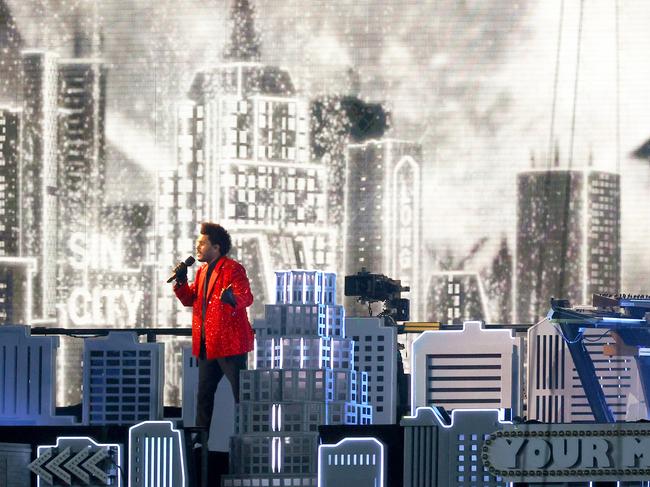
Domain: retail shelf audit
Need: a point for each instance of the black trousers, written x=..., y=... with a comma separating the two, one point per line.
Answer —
x=210, y=374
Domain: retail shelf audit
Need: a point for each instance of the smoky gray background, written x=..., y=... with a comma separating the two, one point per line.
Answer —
x=473, y=81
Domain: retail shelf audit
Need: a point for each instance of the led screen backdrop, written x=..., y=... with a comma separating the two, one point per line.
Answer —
x=489, y=154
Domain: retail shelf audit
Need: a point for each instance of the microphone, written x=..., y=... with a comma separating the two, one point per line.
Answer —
x=188, y=262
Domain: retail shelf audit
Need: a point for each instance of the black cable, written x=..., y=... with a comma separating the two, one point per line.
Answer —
x=119, y=467
x=567, y=186
x=550, y=160
x=580, y=336
x=551, y=137
x=596, y=339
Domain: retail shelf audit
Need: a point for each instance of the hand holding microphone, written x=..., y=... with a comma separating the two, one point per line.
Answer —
x=180, y=271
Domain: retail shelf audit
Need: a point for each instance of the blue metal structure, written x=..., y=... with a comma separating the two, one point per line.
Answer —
x=627, y=317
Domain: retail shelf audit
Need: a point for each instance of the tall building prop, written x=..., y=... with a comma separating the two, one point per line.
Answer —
x=304, y=377
x=555, y=393
x=27, y=378
x=122, y=379
x=375, y=353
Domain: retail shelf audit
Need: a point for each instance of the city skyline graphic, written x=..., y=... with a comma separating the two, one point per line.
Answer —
x=335, y=140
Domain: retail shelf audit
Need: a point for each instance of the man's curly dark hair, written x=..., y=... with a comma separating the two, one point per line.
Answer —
x=217, y=235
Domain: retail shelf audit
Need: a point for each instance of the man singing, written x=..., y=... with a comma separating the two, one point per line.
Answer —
x=221, y=333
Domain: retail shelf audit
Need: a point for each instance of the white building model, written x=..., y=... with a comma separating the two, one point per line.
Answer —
x=304, y=377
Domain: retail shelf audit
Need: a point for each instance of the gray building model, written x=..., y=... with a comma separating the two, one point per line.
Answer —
x=304, y=377
x=122, y=380
x=27, y=378
x=375, y=353
x=447, y=451
x=554, y=391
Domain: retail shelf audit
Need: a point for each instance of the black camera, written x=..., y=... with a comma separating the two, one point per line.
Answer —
x=371, y=288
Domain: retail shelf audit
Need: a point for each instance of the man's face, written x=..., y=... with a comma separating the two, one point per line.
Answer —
x=205, y=251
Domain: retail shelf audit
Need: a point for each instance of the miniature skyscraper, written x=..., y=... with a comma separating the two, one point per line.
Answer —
x=555, y=393
x=303, y=377
x=122, y=380
x=375, y=353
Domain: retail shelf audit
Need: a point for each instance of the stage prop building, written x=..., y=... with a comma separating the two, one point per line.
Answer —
x=309, y=412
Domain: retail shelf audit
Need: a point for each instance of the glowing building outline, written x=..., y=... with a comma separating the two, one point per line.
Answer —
x=108, y=446
x=169, y=473
x=324, y=448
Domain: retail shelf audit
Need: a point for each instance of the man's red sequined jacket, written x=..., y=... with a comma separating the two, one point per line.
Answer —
x=227, y=329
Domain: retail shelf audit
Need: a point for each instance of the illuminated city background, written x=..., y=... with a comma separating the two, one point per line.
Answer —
x=488, y=154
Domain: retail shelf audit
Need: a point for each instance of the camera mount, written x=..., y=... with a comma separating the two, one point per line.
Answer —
x=371, y=288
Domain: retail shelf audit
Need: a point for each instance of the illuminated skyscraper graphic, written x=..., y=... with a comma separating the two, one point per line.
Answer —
x=16, y=273
x=9, y=182
x=16, y=288
x=38, y=179
x=336, y=122
x=80, y=246
x=455, y=297
x=11, y=43
x=383, y=230
x=244, y=161
x=61, y=192
x=568, y=238
x=82, y=166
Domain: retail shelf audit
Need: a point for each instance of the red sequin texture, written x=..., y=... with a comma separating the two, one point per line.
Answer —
x=227, y=329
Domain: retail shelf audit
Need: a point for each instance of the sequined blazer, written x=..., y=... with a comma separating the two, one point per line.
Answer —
x=227, y=329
